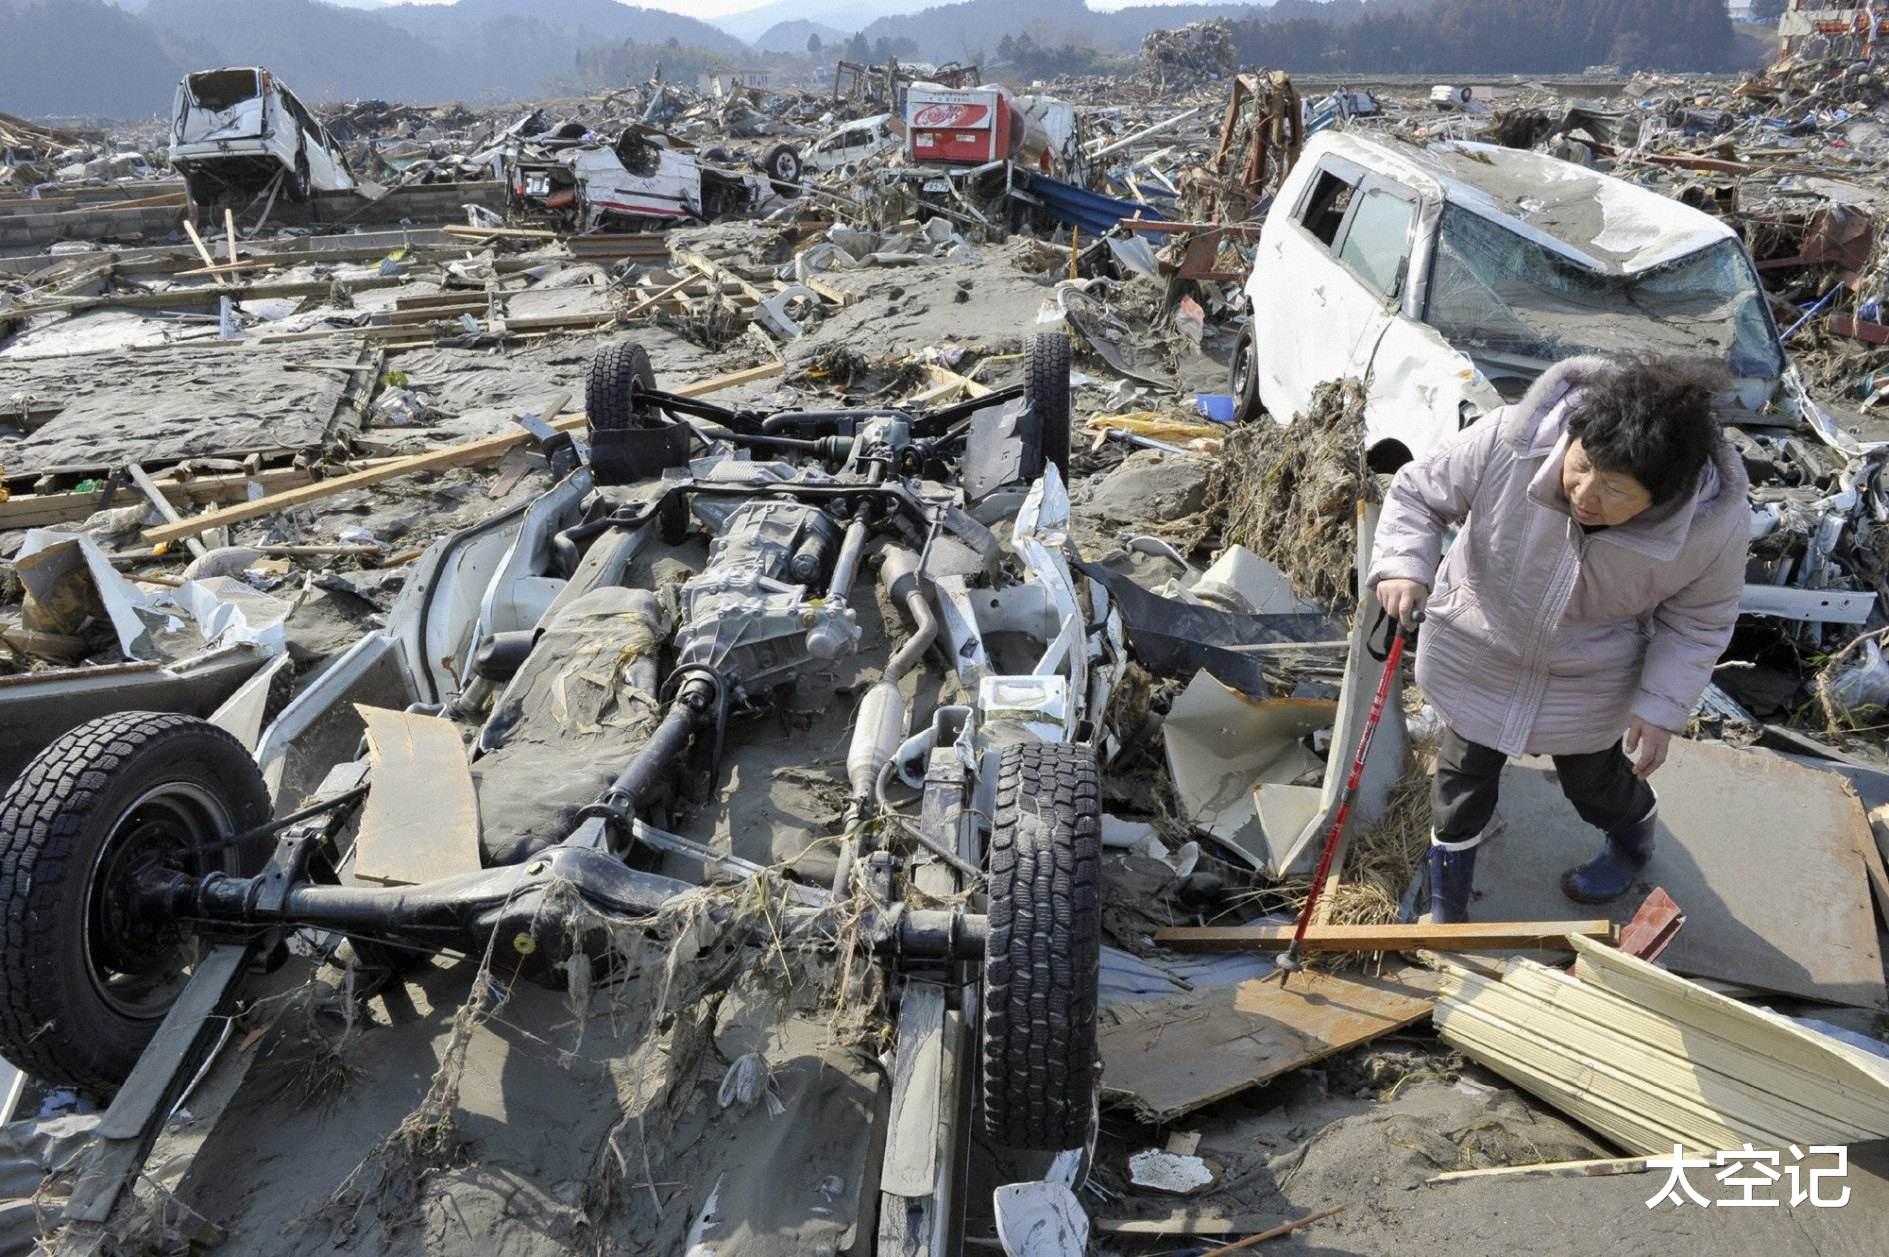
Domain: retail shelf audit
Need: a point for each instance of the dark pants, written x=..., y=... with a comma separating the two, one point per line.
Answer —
x=1600, y=785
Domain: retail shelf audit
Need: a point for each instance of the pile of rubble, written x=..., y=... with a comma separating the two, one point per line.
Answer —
x=1188, y=58
x=719, y=418
x=32, y=156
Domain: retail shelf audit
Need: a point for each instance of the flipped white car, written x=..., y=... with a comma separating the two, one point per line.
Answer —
x=1448, y=277
x=641, y=183
x=235, y=130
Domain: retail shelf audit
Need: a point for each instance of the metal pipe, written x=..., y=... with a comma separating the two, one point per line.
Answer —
x=898, y=576
x=692, y=705
x=1144, y=133
x=846, y=567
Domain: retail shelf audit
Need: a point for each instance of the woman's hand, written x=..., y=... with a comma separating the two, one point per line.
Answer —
x=1648, y=745
x=1401, y=598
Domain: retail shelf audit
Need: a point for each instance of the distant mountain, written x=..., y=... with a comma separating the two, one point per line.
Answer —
x=89, y=57
x=791, y=37
x=583, y=21
x=84, y=57
x=841, y=15
x=972, y=28
x=321, y=51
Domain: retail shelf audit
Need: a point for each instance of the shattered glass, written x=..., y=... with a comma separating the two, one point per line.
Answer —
x=1495, y=293
x=217, y=90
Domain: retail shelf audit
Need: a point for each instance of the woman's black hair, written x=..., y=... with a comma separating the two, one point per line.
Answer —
x=1652, y=419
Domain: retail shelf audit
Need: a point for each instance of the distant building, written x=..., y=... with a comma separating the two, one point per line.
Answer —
x=1859, y=31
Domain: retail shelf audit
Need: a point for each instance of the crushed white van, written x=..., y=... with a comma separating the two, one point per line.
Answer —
x=1448, y=277
x=235, y=130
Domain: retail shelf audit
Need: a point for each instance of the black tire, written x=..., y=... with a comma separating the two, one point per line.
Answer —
x=782, y=164
x=1042, y=963
x=1047, y=387
x=86, y=985
x=1243, y=377
x=618, y=373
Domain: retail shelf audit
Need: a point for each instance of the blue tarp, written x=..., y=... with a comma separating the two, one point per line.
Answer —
x=1078, y=207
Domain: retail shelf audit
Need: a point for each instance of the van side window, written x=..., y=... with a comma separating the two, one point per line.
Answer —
x=1325, y=207
x=1378, y=240
x=302, y=118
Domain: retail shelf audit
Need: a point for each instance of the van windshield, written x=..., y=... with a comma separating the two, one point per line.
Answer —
x=1495, y=293
x=217, y=90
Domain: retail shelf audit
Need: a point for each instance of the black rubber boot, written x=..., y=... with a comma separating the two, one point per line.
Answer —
x=1452, y=877
x=1612, y=873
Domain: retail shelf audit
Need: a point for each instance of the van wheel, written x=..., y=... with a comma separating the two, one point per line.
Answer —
x=87, y=977
x=1042, y=962
x=782, y=164
x=1046, y=385
x=1243, y=377
x=300, y=183
x=619, y=374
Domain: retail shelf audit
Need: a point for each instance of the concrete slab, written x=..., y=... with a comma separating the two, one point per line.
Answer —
x=1761, y=854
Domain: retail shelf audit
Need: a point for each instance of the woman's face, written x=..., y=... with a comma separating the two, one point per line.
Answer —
x=1597, y=497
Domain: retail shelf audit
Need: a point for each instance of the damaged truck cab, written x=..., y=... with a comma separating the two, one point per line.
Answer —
x=1449, y=277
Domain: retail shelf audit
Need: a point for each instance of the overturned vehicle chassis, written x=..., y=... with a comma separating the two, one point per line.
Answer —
x=158, y=829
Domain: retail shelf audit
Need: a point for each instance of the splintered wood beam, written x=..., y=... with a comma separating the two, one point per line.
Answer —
x=1467, y=936
x=465, y=453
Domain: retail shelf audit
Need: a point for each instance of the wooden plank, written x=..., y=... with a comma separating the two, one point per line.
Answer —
x=229, y=231
x=432, y=460
x=719, y=273
x=1467, y=936
x=1857, y=329
x=436, y=314
x=197, y=242
x=653, y=298
x=155, y=496
x=1184, y=1221
x=837, y=295
x=466, y=232
x=464, y=454
x=1875, y=856
x=1602, y=1167
x=35, y=510
x=946, y=383
x=423, y=824
x=224, y=268
x=1164, y=1058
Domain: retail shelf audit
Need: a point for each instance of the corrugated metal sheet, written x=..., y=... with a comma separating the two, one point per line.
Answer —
x=1651, y=1060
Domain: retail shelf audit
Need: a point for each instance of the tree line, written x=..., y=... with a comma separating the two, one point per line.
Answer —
x=1499, y=36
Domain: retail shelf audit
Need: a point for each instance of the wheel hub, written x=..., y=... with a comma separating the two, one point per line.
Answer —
x=138, y=962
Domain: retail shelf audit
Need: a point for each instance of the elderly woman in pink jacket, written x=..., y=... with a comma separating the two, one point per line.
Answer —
x=1593, y=583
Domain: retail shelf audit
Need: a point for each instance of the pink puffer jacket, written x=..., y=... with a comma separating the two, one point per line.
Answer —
x=1540, y=638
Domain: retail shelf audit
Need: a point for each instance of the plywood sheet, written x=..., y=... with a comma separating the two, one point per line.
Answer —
x=421, y=819
x=1762, y=855
x=1167, y=1057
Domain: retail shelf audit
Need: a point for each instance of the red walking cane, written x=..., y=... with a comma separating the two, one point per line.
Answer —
x=1294, y=959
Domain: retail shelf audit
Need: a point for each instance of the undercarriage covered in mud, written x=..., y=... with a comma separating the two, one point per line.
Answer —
x=647, y=666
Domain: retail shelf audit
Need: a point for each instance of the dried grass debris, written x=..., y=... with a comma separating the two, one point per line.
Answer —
x=1289, y=492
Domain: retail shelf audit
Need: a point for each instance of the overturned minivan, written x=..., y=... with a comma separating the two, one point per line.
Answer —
x=233, y=131
x=1448, y=277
